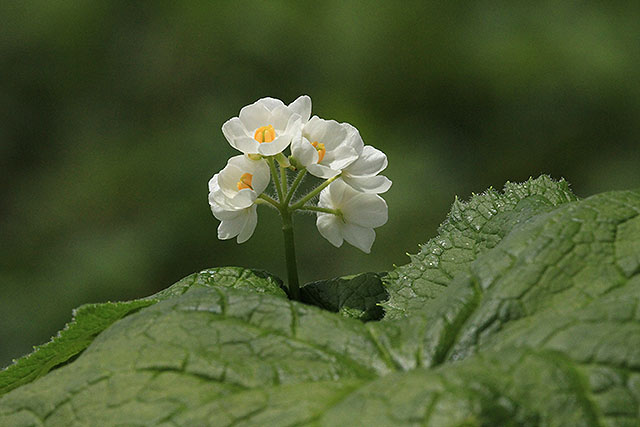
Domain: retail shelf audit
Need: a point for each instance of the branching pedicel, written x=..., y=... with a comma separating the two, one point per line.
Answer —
x=349, y=206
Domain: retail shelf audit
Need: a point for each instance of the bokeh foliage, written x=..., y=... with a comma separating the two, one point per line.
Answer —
x=110, y=118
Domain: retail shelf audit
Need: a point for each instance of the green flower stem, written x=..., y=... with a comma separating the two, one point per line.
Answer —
x=295, y=185
x=319, y=209
x=300, y=203
x=283, y=180
x=269, y=200
x=290, y=254
x=286, y=212
x=274, y=176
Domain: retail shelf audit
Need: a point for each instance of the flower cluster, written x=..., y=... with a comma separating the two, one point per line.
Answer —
x=349, y=206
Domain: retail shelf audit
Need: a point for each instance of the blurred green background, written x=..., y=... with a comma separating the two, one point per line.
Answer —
x=110, y=116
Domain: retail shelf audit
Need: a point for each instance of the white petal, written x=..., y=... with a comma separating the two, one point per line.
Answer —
x=340, y=158
x=302, y=150
x=302, y=107
x=233, y=128
x=239, y=165
x=217, y=197
x=228, y=179
x=328, y=132
x=294, y=126
x=229, y=176
x=246, y=145
x=270, y=103
x=325, y=200
x=224, y=189
x=329, y=227
x=322, y=171
x=243, y=198
x=314, y=128
x=371, y=162
x=223, y=214
x=233, y=223
x=367, y=210
x=282, y=140
x=333, y=196
x=259, y=169
x=280, y=119
x=254, y=116
x=251, y=216
x=368, y=184
x=276, y=146
x=261, y=176
x=235, y=132
x=334, y=134
x=360, y=237
x=245, y=163
x=232, y=227
x=218, y=200
x=354, y=139
x=213, y=183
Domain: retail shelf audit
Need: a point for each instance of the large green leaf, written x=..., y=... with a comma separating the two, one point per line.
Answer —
x=470, y=229
x=356, y=296
x=179, y=357
x=91, y=319
x=541, y=328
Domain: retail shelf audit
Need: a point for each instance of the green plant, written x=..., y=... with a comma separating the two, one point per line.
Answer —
x=523, y=310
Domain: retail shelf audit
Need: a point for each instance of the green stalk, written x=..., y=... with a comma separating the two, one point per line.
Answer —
x=319, y=209
x=287, y=228
x=282, y=204
x=295, y=185
x=290, y=254
x=283, y=179
x=276, y=180
x=269, y=200
x=300, y=203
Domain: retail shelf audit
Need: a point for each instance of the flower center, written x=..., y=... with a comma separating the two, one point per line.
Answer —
x=265, y=134
x=321, y=150
x=245, y=181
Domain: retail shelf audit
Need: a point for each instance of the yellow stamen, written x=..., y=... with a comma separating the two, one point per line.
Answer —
x=245, y=181
x=265, y=134
x=321, y=150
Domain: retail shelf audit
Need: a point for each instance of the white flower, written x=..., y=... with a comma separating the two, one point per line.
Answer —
x=239, y=184
x=267, y=126
x=326, y=147
x=234, y=223
x=359, y=214
x=362, y=174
